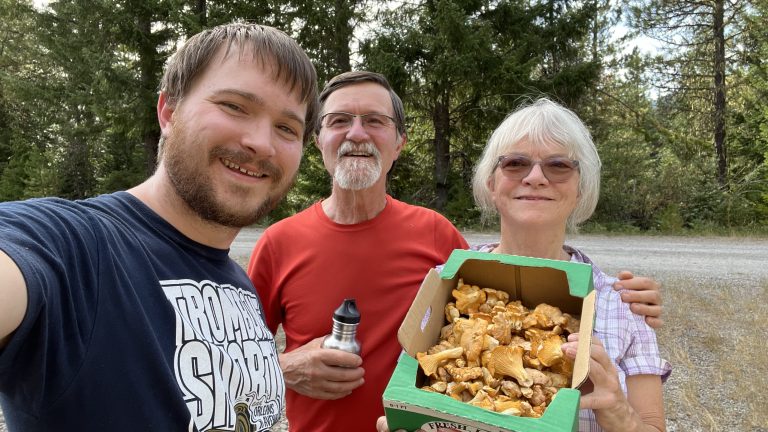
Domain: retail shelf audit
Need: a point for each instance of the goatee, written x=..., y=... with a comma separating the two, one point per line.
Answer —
x=357, y=172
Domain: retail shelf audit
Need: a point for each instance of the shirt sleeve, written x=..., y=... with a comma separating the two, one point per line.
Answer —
x=642, y=356
x=635, y=349
x=56, y=248
x=447, y=237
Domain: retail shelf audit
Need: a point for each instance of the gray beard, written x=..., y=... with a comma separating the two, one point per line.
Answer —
x=357, y=174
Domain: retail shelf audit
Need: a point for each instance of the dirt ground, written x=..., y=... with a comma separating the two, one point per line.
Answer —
x=700, y=277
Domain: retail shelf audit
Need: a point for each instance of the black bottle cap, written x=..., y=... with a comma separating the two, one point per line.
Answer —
x=347, y=313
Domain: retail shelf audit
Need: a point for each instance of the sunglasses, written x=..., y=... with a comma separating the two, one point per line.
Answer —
x=556, y=169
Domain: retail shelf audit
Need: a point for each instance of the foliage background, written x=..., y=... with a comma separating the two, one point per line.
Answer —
x=681, y=128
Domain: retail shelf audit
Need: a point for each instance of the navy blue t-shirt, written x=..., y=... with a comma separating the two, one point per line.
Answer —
x=131, y=326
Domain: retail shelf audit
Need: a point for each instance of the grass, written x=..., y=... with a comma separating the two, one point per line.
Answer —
x=714, y=336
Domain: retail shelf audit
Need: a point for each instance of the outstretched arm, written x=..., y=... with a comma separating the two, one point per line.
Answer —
x=643, y=295
x=321, y=373
x=13, y=298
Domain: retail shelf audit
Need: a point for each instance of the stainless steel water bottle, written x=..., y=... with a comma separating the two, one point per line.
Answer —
x=345, y=321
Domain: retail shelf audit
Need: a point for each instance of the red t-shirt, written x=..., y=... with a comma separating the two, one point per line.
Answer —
x=304, y=266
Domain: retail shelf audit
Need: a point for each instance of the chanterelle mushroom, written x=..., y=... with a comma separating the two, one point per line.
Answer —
x=508, y=361
x=482, y=400
x=551, y=352
x=472, y=341
x=572, y=326
x=499, y=355
x=468, y=298
x=430, y=362
x=451, y=312
x=517, y=407
x=545, y=316
x=465, y=373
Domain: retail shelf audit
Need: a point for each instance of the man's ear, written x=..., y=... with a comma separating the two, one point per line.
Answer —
x=402, y=140
x=165, y=110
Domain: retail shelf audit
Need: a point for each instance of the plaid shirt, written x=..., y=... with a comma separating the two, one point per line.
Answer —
x=628, y=340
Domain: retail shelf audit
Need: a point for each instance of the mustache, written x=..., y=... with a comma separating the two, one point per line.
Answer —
x=244, y=158
x=366, y=147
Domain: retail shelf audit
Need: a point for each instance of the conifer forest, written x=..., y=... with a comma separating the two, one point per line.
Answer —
x=675, y=93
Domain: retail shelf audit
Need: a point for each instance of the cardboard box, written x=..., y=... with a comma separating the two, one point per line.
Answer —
x=563, y=284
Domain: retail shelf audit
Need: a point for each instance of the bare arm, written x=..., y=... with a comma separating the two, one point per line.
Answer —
x=13, y=298
x=321, y=373
x=644, y=393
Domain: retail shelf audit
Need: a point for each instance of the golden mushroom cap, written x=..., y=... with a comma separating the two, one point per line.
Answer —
x=550, y=351
x=430, y=362
x=508, y=361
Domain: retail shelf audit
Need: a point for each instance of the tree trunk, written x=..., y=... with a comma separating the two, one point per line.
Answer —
x=342, y=34
x=719, y=100
x=201, y=11
x=149, y=65
x=442, y=140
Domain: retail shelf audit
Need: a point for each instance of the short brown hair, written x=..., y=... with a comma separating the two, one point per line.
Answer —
x=267, y=44
x=357, y=77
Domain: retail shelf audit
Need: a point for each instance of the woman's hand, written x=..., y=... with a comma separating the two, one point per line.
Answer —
x=602, y=389
x=602, y=393
x=381, y=425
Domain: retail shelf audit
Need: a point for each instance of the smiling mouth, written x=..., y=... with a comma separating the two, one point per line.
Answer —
x=357, y=154
x=235, y=167
x=528, y=198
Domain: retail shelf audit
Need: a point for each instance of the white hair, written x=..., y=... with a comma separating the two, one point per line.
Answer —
x=540, y=123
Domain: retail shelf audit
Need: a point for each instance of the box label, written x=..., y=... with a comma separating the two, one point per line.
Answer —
x=443, y=426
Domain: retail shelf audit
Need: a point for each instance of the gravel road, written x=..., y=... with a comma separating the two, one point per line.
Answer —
x=740, y=263
x=690, y=256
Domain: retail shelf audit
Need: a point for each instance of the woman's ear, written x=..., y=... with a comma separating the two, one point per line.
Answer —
x=491, y=183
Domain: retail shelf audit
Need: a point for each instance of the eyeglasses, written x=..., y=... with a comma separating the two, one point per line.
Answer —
x=555, y=169
x=342, y=121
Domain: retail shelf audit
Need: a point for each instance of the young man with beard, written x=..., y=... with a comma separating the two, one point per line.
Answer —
x=124, y=312
x=358, y=243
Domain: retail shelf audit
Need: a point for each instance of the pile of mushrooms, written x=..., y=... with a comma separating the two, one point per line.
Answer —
x=499, y=355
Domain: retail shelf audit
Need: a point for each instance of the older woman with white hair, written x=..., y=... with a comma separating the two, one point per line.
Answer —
x=540, y=172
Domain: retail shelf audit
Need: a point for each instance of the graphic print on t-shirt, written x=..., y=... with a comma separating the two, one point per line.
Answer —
x=225, y=359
